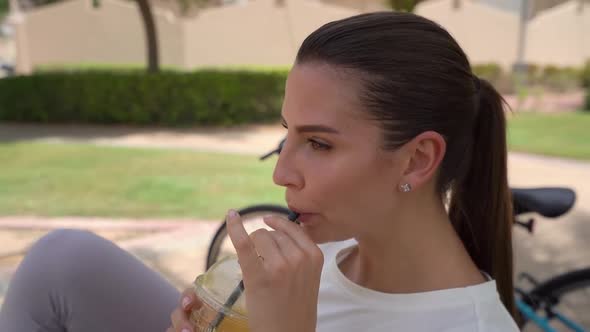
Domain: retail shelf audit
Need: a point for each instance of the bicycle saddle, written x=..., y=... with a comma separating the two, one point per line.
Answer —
x=548, y=202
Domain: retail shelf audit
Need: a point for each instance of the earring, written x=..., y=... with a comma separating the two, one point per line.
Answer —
x=405, y=188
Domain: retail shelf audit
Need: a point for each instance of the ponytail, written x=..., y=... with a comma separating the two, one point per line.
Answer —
x=481, y=207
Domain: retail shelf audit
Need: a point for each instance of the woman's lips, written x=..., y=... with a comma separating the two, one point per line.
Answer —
x=305, y=218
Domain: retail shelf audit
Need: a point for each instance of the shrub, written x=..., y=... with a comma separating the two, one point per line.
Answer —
x=585, y=75
x=587, y=106
x=204, y=97
x=560, y=78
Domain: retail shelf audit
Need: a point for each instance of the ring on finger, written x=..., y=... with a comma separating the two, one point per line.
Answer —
x=260, y=257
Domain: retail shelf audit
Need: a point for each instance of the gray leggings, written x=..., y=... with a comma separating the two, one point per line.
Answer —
x=77, y=281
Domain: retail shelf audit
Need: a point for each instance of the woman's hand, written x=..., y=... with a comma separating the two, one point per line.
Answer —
x=180, y=316
x=281, y=271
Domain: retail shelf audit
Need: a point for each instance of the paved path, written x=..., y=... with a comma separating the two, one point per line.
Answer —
x=254, y=139
x=176, y=248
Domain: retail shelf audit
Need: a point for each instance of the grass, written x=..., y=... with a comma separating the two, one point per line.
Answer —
x=83, y=180
x=46, y=179
x=559, y=134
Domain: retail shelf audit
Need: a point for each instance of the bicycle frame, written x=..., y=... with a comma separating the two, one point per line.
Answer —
x=543, y=322
x=529, y=313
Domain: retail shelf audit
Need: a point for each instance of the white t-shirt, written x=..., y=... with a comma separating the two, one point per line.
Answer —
x=344, y=306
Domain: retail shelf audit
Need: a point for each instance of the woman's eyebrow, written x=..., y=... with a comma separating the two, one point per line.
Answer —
x=312, y=128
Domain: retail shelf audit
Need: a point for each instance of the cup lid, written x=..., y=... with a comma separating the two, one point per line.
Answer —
x=216, y=285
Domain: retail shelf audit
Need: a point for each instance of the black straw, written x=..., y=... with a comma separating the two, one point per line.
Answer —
x=235, y=294
x=233, y=297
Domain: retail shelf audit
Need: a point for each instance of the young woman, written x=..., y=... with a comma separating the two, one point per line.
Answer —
x=395, y=159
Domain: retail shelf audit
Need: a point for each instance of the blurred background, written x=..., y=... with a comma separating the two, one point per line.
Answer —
x=143, y=120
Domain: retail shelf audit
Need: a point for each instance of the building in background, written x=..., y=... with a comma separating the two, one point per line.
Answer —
x=268, y=32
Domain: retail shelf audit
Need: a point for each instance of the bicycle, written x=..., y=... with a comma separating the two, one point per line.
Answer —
x=536, y=306
x=539, y=305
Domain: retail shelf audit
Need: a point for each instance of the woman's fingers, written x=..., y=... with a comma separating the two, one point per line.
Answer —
x=295, y=234
x=189, y=300
x=242, y=242
x=180, y=316
x=180, y=321
x=291, y=252
x=286, y=250
x=281, y=287
x=271, y=253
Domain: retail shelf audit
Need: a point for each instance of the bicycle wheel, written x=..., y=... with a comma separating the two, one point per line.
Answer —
x=567, y=296
x=252, y=217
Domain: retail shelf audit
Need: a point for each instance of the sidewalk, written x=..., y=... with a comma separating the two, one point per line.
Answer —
x=176, y=248
x=251, y=139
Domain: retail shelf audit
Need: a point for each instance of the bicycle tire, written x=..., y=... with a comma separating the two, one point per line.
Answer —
x=551, y=291
x=221, y=233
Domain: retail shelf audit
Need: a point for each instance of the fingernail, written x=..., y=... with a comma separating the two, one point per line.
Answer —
x=185, y=330
x=232, y=214
x=185, y=302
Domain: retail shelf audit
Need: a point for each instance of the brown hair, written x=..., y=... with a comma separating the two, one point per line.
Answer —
x=415, y=78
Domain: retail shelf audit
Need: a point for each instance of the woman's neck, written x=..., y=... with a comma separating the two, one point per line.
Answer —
x=421, y=253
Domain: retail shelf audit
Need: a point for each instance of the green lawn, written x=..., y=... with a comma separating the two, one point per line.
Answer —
x=563, y=134
x=83, y=180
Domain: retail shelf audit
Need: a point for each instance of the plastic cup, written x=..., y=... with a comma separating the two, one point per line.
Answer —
x=213, y=289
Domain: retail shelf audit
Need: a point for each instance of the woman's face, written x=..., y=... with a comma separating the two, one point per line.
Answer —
x=331, y=165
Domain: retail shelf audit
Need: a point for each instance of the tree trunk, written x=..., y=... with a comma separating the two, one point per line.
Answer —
x=151, y=36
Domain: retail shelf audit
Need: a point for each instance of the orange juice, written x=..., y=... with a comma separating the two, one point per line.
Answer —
x=202, y=318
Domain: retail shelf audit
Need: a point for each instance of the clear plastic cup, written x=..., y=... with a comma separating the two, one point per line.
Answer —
x=214, y=288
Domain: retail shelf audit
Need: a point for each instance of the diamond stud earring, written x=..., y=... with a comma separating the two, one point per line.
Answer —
x=406, y=187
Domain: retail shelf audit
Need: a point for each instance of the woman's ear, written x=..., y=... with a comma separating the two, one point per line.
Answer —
x=426, y=152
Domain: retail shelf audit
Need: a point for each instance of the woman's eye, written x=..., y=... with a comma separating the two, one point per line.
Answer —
x=318, y=146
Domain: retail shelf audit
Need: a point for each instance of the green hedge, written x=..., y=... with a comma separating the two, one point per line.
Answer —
x=586, y=75
x=3, y=8
x=206, y=97
x=561, y=78
x=587, y=108
x=551, y=77
x=491, y=72
x=586, y=83
x=171, y=98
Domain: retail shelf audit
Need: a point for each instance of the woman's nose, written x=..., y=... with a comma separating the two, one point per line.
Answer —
x=286, y=173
